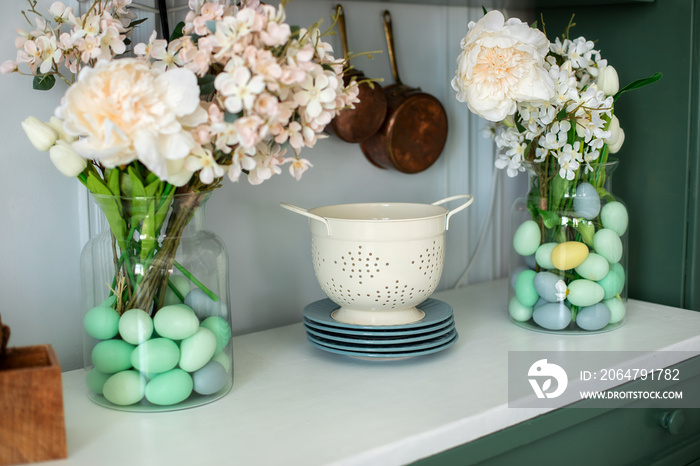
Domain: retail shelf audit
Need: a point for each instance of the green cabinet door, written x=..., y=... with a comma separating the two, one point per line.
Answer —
x=658, y=175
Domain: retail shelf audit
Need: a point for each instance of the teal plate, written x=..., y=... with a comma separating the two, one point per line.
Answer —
x=388, y=355
x=396, y=348
x=377, y=332
x=436, y=311
x=383, y=340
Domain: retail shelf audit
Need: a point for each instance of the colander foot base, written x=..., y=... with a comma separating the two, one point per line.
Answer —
x=380, y=317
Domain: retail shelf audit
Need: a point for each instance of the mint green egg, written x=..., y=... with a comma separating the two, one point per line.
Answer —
x=95, y=380
x=221, y=330
x=135, y=326
x=617, y=309
x=595, y=267
x=176, y=322
x=543, y=255
x=613, y=282
x=156, y=355
x=197, y=350
x=181, y=284
x=607, y=243
x=525, y=288
x=526, y=238
x=614, y=217
x=124, y=388
x=519, y=312
x=110, y=356
x=169, y=388
x=101, y=322
x=585, y=292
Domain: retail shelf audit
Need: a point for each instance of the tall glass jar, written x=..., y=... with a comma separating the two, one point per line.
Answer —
x=155, y=289
x=568, y=260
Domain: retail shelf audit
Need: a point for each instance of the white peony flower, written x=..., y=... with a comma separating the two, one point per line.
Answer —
x=124, y=110
x=501, y=64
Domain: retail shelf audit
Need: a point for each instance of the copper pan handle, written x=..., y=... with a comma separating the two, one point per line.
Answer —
x=340, y=14
x=386, y=16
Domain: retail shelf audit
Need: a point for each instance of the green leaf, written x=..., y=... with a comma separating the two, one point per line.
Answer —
x=232, y=117
x=639, y=84
x=549, y=218
x=137, y=188
x=137, y=22
x=110, y=206
x=483, y=8
x=586, y=230
x=206, y=84
x=178, y=31
x=43, y=82
x=152, y=188
x=113, y=181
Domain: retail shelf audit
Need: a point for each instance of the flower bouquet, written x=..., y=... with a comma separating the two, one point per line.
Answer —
x=552, y=107
x=151, y=136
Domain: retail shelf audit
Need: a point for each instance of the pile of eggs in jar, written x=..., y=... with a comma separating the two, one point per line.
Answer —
x=163, y=360
x=547, y=294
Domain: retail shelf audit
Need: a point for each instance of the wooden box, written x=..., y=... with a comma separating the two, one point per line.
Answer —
x=32, y=426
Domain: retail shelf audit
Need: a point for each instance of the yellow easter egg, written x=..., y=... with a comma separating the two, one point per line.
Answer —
x=566, y=256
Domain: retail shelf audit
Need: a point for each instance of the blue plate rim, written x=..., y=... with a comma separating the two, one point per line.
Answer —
x=343, y=338
x=398, y=355
x=438, y=341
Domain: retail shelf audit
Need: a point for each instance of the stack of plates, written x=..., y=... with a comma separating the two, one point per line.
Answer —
x=434, y=332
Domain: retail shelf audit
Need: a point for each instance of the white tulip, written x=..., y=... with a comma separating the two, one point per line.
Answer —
x=617, y=136
x=608, y=81
x=57, y=124
x=66, y=160
x=41, y=135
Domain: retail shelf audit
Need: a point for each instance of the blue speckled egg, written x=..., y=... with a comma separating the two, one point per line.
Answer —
x=586, y=201
x=593, y=317
x=552, y=316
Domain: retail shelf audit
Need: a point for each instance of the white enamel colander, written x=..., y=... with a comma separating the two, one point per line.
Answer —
x=378, y=261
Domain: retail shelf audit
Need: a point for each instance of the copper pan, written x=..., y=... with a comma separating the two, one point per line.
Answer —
x=415, y=127
x=359, y=123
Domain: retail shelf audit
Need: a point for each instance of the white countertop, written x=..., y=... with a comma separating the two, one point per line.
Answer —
x=293, y=404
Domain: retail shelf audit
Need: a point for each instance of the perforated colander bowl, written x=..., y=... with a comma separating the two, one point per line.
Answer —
x=378, y=261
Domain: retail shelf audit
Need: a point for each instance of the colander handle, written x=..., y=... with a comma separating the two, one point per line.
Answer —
x=469, y=198
x=306, y=213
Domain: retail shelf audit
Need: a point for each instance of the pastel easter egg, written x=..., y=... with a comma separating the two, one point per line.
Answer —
x=617, y=267
x=525, y=288
x=585, y=292
x=124, y=388
x=181, y=284
x=527, y=238
x=156, y=355
x=175, y=322
x=530, y=261
x=586, y=201
x=169, y=388
x=221, y=330
x=612, y=283
x=197, y=350
x=552, y=316
x=608, y=244
x=95, y=380
x=515, y=273
x=545, y=285
x=617, y=309
x=614, y=216
x=223, y=359
x=593, y=317
x=568, y=255
x=595, y=267
x=519, y=312
x=543, y=255
x=110, y=356
x=209, y=379
x=135, y=326
x=101, y=322
x=204, y=306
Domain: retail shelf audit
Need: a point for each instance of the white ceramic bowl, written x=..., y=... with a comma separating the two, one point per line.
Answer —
x=377, y=261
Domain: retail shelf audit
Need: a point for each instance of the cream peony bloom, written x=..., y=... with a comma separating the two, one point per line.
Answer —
x=124, y=110
x=501, y=64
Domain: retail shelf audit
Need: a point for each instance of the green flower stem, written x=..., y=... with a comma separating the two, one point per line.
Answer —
x=194, y=280
x=174, y=289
